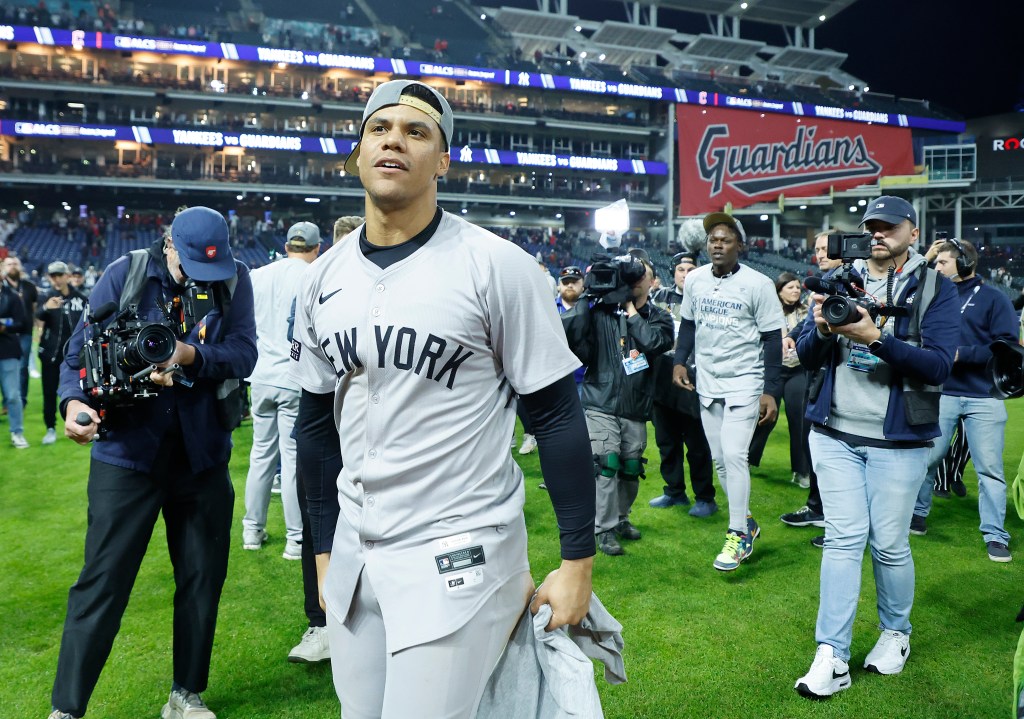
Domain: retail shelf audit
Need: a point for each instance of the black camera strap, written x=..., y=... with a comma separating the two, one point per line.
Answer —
x=622, y=333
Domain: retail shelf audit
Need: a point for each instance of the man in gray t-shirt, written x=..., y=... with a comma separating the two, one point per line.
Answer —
x=732, y=317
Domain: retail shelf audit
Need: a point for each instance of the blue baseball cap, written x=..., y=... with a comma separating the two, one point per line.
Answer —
x=891, y=209
x=200, y=237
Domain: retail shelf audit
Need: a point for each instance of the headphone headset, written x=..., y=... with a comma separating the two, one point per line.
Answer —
x=964, y=267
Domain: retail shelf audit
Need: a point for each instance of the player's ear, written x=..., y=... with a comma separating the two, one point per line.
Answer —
x=442, y=164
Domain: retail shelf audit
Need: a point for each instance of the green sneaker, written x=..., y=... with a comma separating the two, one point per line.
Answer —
x=737, y=548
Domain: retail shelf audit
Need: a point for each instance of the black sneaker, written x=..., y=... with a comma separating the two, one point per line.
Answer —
x=608, y=544
x=818, y=541
x=803, y=517
x=998, y=552
x=959, y=488
x=626, y=530
x=940, y=493
x=918, y=525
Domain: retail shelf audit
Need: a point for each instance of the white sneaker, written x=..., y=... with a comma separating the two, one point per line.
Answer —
x=275, y=486
x=19, y=441
x=826, y=676
x=253, y=539
x=801, y=480
x=292, y=550
x=50, y=437
x=183, y=704
x=889, y=654
x=529, y=444
x=312, y=648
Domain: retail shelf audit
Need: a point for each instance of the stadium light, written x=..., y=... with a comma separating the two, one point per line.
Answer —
x=867, y=89
x=511, y=213
x=558, y=215
x=822, y=18
x=743, y=6
x=312, y=200
x=578, y=28
x=763, y=218
x=238, y=197
x=483, y=16
x=583, y=55
x=266, y=198
x=803, y=207
x=601, y=57
x=853, y=208
x=862, y=202
x=77, y=105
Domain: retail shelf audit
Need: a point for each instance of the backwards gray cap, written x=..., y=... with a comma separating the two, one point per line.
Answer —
x=395, y=92
x=303, y=235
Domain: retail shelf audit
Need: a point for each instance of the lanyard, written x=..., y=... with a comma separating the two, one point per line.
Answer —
x=969, y=298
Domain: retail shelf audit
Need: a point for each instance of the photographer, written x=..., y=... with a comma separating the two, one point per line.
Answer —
x=874, y=417
x=60, y=311
x=986, y=315
x=166, y=453
x=13, y=322
x=616, y=339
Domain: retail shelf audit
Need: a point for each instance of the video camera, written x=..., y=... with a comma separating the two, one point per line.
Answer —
x=610, y=279
x=846, y=290
x=115, y=362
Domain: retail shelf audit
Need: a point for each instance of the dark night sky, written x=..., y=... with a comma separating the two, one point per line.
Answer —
x=966, y=56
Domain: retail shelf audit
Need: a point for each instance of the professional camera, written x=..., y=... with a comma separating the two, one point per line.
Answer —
x=115, y=362
x=849, y=246
x=610, y=279
x=841, y=309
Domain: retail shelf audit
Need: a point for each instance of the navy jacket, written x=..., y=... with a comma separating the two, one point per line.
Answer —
x=987, y=316
x=134, y=432
x=930, y=363
x=13, y=322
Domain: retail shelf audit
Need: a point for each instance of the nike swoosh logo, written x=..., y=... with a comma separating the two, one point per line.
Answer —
x=324, y=298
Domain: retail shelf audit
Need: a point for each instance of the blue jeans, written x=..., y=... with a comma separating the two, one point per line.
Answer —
x=985, y=425
x=868, y=496
x=10, y=382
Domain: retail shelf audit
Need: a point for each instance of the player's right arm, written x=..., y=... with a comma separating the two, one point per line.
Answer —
x=316, y=435
x=319, y=457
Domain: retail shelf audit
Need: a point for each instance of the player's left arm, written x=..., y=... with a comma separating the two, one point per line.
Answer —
x=566, y=463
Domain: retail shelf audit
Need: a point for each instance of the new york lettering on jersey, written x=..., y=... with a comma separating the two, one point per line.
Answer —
x=423, y=353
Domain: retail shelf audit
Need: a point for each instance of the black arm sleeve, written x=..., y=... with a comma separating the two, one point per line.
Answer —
x=566, y=462
x=772, y=342
x=684, y=344
x=319, y=458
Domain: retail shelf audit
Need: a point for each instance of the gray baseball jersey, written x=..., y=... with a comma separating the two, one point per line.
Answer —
x=730, y=312
x=424, y=358
x=273, y=289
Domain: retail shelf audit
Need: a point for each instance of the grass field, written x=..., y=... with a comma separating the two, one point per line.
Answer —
x=699, y=643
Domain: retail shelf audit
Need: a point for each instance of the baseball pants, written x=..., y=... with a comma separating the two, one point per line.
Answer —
x=627, y=438
x=274, y=410
x=442, y=679
x=729, y=424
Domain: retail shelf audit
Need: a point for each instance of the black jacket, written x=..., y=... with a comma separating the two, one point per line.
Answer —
x=58, y=323
x=12, y=323
x=594, y=335
x=667, y=394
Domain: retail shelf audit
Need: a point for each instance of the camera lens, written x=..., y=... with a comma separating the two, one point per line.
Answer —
x=155, y=344
x=838, y=310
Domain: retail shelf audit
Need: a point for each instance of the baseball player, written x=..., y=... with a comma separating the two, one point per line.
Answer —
x=417, y=331
x=732, y=316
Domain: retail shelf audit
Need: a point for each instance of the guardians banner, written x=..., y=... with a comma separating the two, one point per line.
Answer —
x=745, y=157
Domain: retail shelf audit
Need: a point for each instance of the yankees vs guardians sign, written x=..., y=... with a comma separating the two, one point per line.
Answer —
x=740, y=157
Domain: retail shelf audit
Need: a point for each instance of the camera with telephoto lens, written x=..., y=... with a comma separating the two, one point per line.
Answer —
x=116, y=361
x=849, y=246
x=610, y=279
